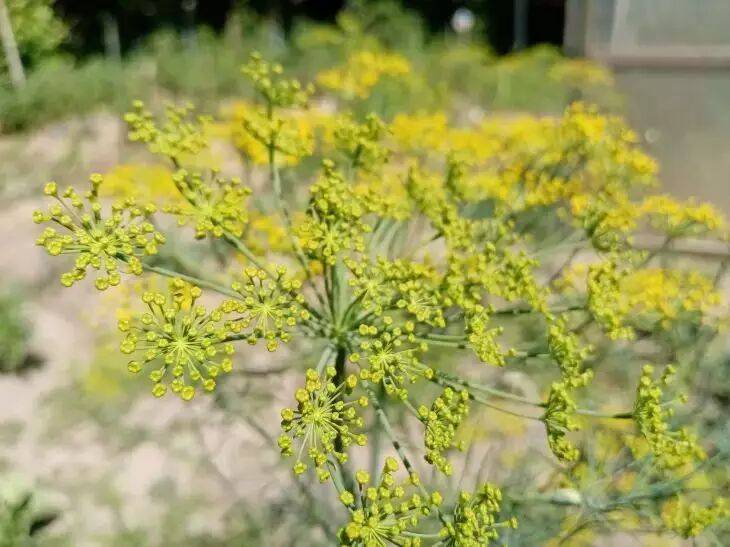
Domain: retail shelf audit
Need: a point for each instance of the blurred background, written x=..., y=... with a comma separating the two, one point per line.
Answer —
x=86, y=456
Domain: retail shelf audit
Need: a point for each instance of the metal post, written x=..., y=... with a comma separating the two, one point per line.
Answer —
x=520, y=24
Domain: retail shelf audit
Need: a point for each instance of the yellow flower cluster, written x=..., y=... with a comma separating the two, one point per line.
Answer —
x=187, y=342
x=525, y=162
x=669, y=294
x=391, y=355
x=269, y=307
x=474, y=523
x=181, y=136
x=383, y=192
x=386, y=512
x=216, y=206
x=334, y=220
x=442, y=420
x=559, y=416
x=294, y=134
x=647, y=295
x=671, y=449
x=100, y=243
x=359, y=143
x=690, y=519
x=604, y=298
x=362, y=71
x=681, y=219
x=324, y=422
x=277, y=91
x=398, y=284
x=483, y=339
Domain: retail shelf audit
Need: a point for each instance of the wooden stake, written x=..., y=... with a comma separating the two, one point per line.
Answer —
x=10, y=47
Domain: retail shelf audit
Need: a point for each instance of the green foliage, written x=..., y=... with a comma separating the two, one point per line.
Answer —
x=22, y=519
x=58, y=88
x=38, y=30
x=14, y=333
x=367, y=42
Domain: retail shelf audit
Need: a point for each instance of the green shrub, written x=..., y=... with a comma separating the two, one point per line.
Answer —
x=14, y=334
x=59, y=88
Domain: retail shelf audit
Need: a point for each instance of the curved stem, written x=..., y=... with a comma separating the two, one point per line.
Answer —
x=443, y=378
x=245, y=251
x=454, y=380
x=383, y=418
x=191, y=279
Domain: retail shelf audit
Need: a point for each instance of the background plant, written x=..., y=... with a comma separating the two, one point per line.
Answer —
x=201, y=65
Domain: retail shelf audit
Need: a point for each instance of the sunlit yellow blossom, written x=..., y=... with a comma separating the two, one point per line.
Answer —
x=362, y=71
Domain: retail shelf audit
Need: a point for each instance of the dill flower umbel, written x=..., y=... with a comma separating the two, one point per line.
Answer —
x=385, y=512
x=323, y=422
x=183, y=339
x=334, y=222
x=265, y=123
x=473, y=522
x=100, y=243
x=604, y=298
x=441, y=421
x=671, y=449
x=559, y=416
x=385, y=285
x=560, y=420
x=360, y=143
x=268, y=309
x=272, y=86
x=483, y=340
x=181, y=136
x=216, y=206
x=689, y=519
x=390, y=357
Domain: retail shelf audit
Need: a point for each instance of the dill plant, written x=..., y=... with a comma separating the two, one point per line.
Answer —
x=414, y=237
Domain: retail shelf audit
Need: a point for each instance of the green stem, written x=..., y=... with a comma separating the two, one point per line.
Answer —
x=340, y=373
x=383, y=417
x=454, y=380
x=245, y=251
x=519, y=311
x=424, y=536
x=445, y=343
x=447, y=337
x=191, y=279
x=286, y=216
x=562, y=245
x=443, y=378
